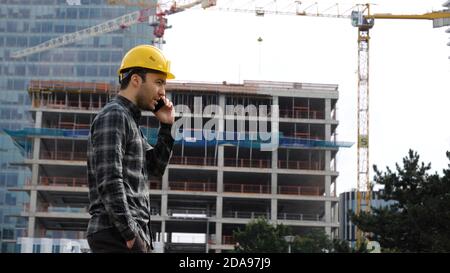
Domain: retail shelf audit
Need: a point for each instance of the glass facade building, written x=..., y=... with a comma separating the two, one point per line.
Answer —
x=347, y=202
x=26, y=23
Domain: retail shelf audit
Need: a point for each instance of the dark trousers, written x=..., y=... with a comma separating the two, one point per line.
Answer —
x=110, y=241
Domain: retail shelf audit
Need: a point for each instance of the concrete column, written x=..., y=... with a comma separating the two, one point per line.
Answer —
x=274, y=210
x=274, y=177
x=218, y=235
x=274, y=191
x=328, y=231
x=327, y=109
x=165, y=181
x=220, y=149
x=336, y=212
x=32, y=217
x=163, y=233
x=327, y=185
x=38, y=120
x=219, y=207
x=164, y=204
x=220, y=178
x=34, y=178
x=328, y=214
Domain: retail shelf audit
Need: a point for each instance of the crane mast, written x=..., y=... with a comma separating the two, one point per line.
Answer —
x=364, y=24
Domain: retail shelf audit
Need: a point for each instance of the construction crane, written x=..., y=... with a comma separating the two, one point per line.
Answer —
x=158, y=21
x=361, y=18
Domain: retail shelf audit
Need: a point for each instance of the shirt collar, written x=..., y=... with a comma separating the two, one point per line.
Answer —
x=134, y=110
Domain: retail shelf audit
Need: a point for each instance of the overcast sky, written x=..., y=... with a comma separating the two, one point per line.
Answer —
x=409, y=70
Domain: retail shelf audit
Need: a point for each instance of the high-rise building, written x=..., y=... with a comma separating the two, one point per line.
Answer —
x=224, y=170
x=26, y=23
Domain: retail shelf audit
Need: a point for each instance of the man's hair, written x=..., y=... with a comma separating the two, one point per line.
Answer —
x=141, y=72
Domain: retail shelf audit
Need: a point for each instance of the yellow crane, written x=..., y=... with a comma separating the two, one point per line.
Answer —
x=361, y=18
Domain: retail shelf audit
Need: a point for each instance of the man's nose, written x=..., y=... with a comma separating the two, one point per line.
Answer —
x=162, y=91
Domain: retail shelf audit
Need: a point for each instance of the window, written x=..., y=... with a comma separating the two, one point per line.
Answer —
x=11, y=27
x=47, y=27
x=104, y=56
x=11, y=178
x=92, y=56
x=82, y=56
x=19, y=85
x=22, y=41
x=67, y=71
x=72, y=13
x=71, y=28
x=36, y=248
x=104, y=71
x=11, y=41
x=91, y=71
x=69, y=56
x=81, y=71
x=10, y=199
x=84, y=13
x=44, y=70
x=59, y=28
x=45, y=56
x=116, y=56
x=117, y=42
x=8, y=233
x=34, y=40
x=55, y=248
x=94, y=13
x=32, y=70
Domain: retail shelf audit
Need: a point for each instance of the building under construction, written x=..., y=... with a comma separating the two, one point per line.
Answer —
x=211, y=186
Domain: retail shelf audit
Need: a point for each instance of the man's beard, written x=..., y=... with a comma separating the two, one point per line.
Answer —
x=143, y=103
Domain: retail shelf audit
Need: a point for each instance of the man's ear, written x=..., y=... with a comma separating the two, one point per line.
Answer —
x=135, y=79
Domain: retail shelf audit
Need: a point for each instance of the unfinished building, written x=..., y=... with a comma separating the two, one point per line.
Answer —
x=211, y=186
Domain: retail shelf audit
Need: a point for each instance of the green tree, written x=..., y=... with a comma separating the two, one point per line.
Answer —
x=259, y=236
x=315, y=241
x=419, y=221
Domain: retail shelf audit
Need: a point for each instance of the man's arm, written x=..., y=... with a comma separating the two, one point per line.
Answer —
x=159, y=156
x=109, y=141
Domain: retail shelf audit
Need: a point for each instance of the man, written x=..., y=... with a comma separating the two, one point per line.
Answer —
x=120, y=159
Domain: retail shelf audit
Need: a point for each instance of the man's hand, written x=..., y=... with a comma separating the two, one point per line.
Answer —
x=167, y=113
x=130, y=243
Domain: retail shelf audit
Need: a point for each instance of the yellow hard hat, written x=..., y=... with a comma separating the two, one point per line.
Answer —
x=146, y=56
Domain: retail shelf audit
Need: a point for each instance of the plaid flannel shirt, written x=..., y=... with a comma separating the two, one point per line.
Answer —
x=119, y=162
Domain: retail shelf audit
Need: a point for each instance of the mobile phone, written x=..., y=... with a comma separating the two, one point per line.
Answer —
x=159, y=105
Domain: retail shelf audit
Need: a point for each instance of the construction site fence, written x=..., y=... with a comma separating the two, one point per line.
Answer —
x=63, y=181
x=193, y=160
x=193, y=186
x=245, y=188
x=67, y=86
x=246, y=214
x=302, y=114
x=72, y=156
x=193, y=213
x=60, y=234
x=45, y=207
x=226, y=240
x=240, y=188
x=299, y=216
